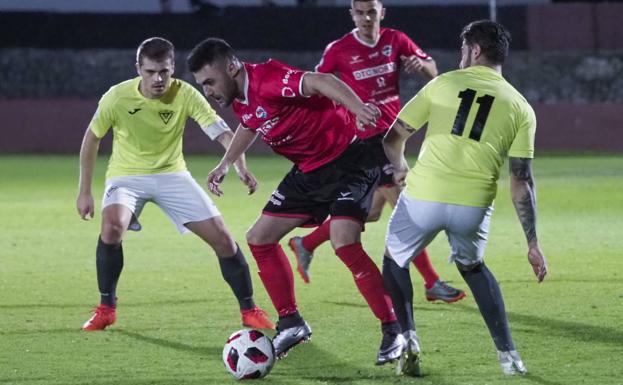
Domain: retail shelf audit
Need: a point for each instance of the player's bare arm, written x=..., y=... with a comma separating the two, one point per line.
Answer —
x=427, y=68
x=240, y=142
x=240, y=165
x=88, y=155
x=394, y=146
x=315, y=83
x=523, y=194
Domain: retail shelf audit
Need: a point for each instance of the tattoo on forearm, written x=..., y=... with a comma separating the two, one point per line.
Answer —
x=521, y=168
x=524, y=195
x=526, y=211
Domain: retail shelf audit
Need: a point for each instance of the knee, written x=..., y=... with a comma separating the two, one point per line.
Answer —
x=466, y=269
x=225, y=246
x=112, y=232
x=257, y=236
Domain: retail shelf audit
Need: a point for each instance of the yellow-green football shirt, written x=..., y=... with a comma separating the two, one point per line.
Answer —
x=475, y=120
x=147, y=133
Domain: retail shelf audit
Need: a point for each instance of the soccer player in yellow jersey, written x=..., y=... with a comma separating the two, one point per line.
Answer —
x=148, y=115
x=475, y=120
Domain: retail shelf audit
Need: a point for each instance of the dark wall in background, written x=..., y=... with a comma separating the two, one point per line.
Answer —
x=57, y=126
x=288, y=28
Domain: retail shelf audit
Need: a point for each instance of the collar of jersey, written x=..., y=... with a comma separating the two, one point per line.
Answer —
x=354, y=32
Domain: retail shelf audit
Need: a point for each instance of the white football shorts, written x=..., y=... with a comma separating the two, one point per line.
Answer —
x=177, y=194
x=415, y=223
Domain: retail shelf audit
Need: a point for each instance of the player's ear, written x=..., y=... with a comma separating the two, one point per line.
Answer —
x=382, y=14
x=476, y=50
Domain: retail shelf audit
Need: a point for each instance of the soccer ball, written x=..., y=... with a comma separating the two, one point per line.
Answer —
x=248, y=354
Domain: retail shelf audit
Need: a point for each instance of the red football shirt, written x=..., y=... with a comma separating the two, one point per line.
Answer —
x=371, y=70
x=309, y=130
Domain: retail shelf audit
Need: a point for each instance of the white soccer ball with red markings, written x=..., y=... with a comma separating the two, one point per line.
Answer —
x=248, y=354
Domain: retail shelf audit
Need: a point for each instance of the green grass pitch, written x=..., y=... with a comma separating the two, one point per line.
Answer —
x=175, y=312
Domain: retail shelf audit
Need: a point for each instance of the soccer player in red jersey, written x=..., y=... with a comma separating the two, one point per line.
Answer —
x=300, y=116
x=369, y=59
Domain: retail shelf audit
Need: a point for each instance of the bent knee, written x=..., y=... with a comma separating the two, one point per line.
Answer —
x=112, y=231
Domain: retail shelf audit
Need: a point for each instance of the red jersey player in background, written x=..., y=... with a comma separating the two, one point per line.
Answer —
x=300, y=116
x=369, y=59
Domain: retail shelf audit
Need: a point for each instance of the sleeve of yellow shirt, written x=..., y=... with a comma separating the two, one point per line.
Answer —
x=415, y=113
x=523, y=145
x=103, y=118
x=202, y=113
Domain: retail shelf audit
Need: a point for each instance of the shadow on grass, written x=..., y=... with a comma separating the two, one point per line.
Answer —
x=201, y=350
x=564, y=329
x=309, y=362
x=540, y=380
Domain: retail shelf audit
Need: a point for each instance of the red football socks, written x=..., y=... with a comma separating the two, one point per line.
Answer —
x=426, y=269
x=317, y=237
x=368, y=280
x=276, y=275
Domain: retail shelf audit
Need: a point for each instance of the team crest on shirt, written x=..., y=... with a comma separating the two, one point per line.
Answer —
x=387, y=50
x=165, y=115
x=260, y=112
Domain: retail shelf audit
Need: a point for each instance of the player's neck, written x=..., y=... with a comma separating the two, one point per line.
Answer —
x=369, y=39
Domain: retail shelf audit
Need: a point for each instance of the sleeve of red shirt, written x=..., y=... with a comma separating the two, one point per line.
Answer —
x=281, y=82
x=327, y=62
x=408, y=47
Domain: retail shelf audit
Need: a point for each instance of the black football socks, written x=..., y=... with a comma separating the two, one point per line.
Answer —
x=488, y=296
x=397, y=282
x=109, y=263
x=235, y=271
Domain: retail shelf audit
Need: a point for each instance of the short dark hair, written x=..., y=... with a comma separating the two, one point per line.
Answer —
x=492, y=38
x=208, y=51
x=155, y=48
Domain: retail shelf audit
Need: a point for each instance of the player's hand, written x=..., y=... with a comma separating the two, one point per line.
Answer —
x=538, y=262
x=411, y=64
x=215, y=178
x=85, y=206
x=248, y=179
x=367, y=116
x=400, y=173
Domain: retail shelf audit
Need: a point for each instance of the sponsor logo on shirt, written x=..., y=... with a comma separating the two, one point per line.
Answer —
x=367, y=73
x=286, y=78
x=260, y=112
x=268, y=125
x=134, y=111
x=380, y=82
x=373, y=55
x=246, y=117
x=387, y=50
x=287, y=92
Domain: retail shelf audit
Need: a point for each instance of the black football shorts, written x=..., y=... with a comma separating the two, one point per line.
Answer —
x=342, y=188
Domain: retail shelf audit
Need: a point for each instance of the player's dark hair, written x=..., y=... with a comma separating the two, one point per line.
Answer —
x=208, y=51
x=492, y=38
x=155, y=48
